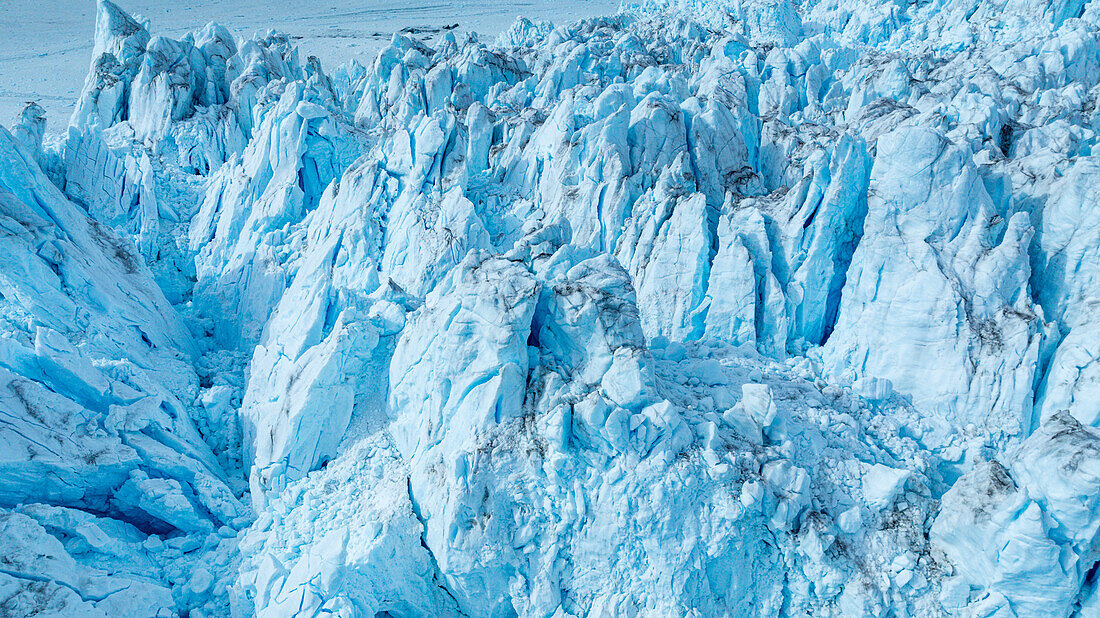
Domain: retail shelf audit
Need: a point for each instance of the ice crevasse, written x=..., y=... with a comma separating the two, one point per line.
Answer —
x=701, y=309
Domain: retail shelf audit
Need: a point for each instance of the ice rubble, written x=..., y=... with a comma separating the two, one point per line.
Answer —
x=707, y=308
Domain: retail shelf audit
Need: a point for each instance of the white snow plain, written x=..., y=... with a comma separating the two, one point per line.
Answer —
x=699, y=309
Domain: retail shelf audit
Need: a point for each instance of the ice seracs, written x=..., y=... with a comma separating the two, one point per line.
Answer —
x=542, y=413
x=705, y=308
x=939, y=266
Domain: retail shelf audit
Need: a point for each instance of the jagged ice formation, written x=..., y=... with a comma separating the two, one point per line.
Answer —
x=705, y=309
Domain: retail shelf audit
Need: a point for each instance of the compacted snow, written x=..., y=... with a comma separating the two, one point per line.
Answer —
x=704, y=308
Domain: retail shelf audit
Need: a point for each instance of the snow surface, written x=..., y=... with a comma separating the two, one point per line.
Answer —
x=703, y=308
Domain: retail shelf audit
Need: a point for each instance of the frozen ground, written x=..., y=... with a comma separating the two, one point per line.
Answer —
x=47, y=44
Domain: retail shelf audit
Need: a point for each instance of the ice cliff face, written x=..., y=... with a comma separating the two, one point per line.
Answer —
x=707, y=308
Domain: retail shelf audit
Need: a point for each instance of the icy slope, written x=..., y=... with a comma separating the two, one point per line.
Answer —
x=99, y=448
x=778, y=309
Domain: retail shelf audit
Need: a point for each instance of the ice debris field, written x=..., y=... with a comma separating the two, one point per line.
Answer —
x=705, y=308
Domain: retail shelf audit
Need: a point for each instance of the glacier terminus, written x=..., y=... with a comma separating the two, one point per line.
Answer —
x=703, y=308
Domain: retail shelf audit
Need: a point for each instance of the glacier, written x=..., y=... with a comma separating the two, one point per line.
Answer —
x=768, y=308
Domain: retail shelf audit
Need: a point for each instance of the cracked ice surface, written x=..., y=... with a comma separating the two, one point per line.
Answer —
x=705, y=308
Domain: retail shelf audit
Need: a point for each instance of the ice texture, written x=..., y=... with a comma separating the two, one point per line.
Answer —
x=703, y=309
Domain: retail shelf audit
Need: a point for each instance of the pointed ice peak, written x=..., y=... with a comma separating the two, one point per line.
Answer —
x=117, y=33
x=29, y=126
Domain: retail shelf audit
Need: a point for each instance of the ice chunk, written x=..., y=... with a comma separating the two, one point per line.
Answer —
x=960, y=293
x=882, y=484
x=171, y=77
x=40, y=576
x=116, y=56
x=29, y=128
x=1011, y=535
x=249, y=207
x=1067, y=269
